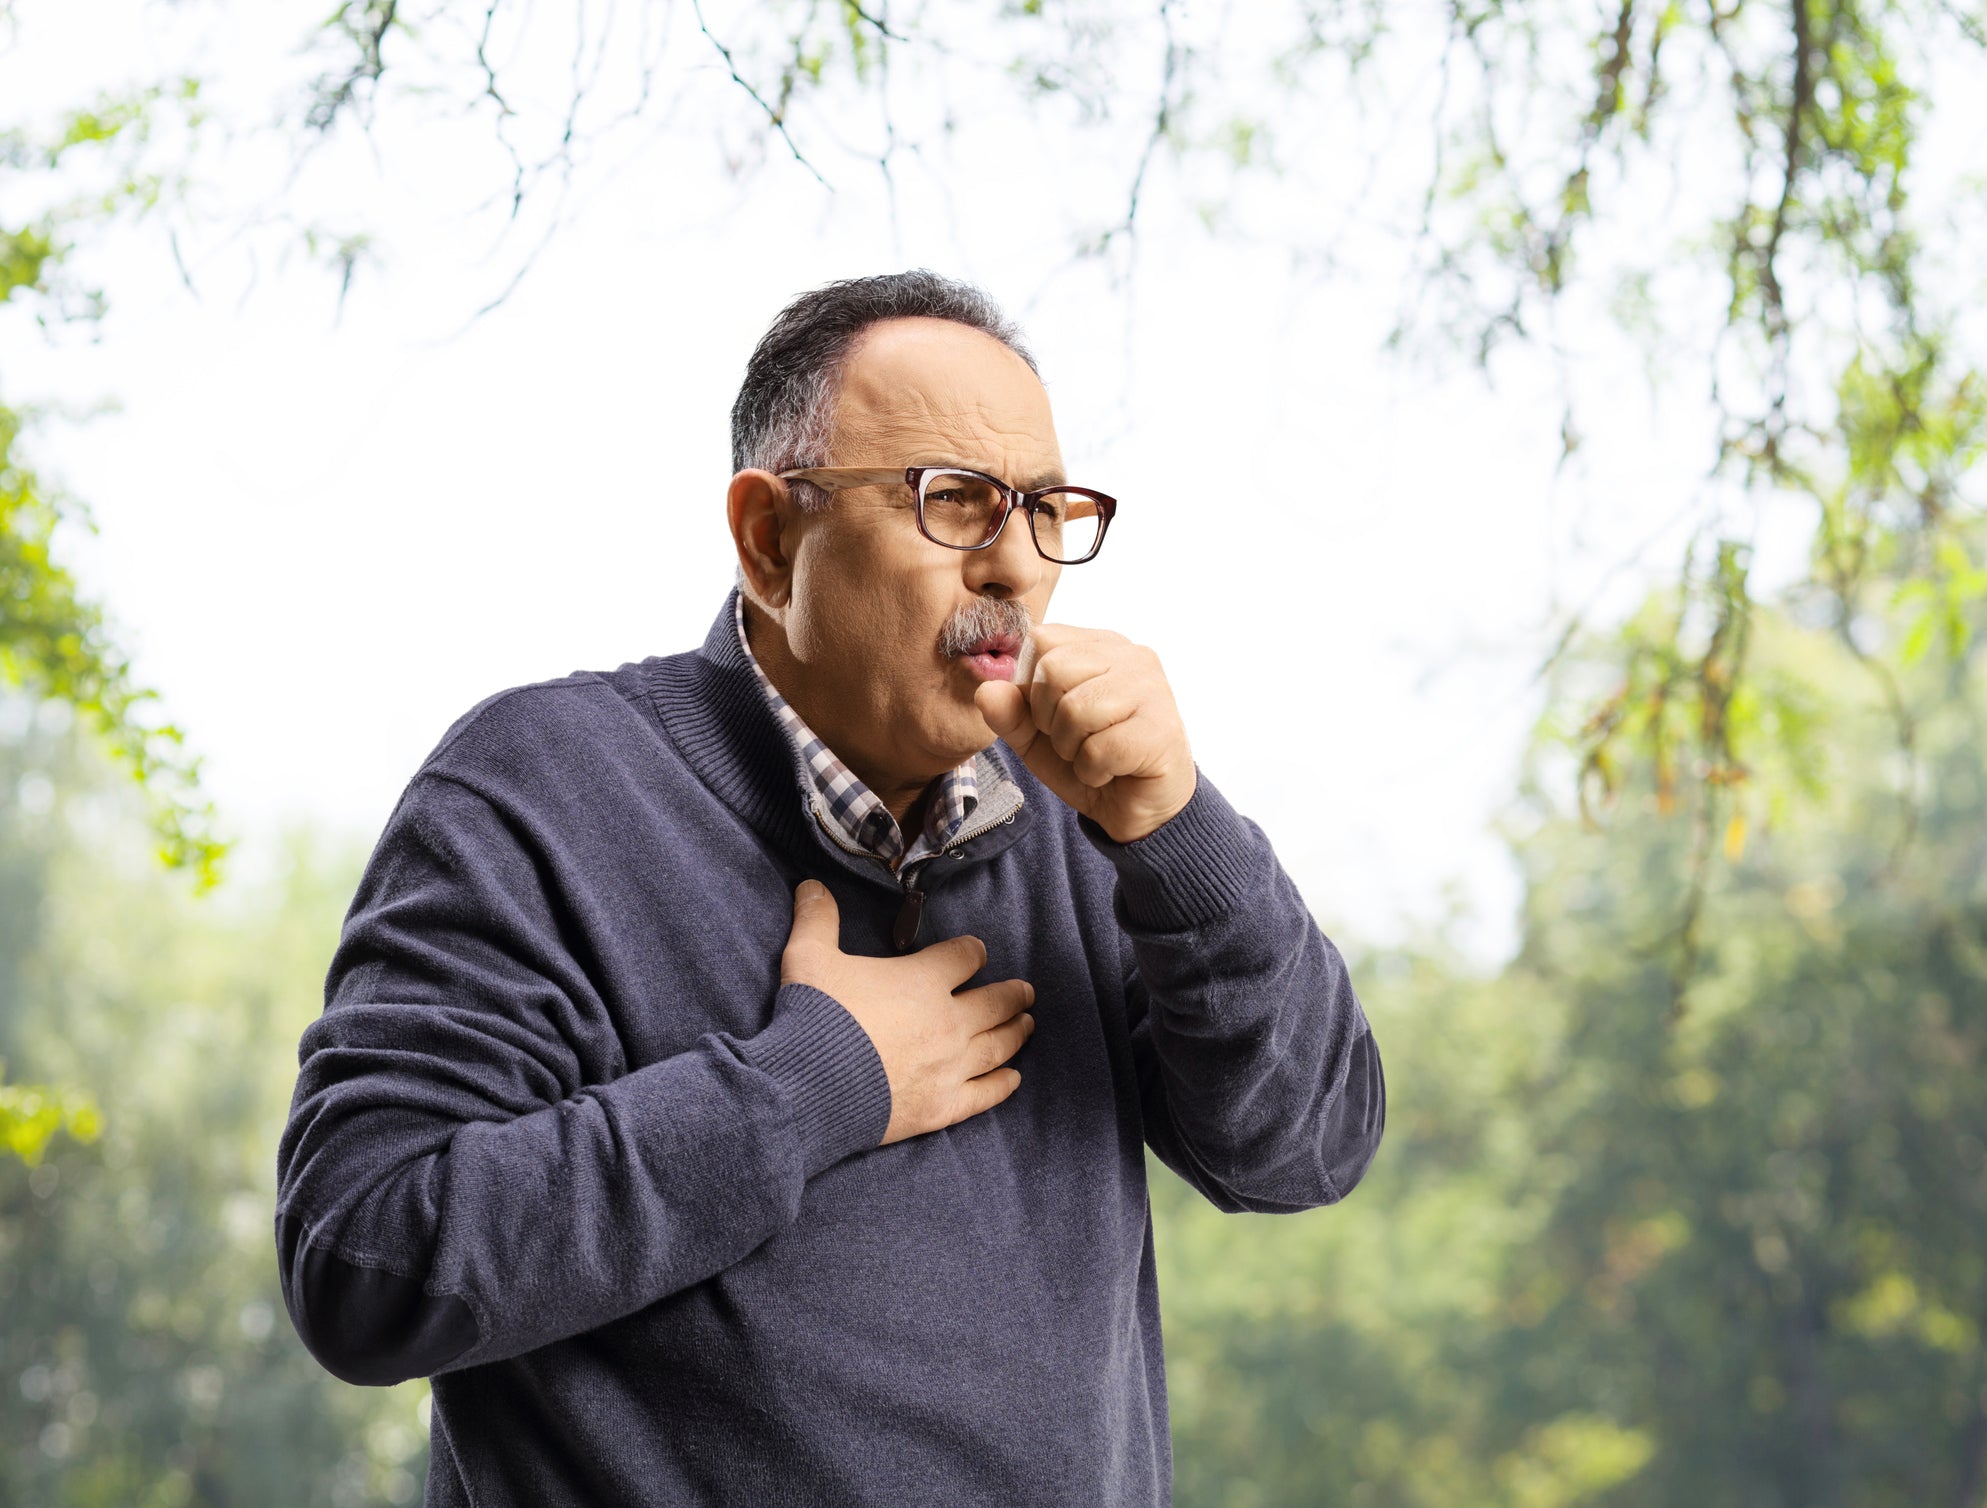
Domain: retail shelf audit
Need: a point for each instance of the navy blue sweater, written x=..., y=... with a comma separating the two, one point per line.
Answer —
x=563, y=1142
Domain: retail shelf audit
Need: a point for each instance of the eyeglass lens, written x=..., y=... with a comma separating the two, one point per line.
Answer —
x=962, y=510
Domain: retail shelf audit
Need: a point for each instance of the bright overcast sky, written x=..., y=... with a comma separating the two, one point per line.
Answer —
x=327, y=541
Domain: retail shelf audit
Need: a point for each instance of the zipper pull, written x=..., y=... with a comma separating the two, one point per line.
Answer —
x=909, y=916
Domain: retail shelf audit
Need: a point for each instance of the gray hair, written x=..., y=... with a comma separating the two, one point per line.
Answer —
x=784, y=414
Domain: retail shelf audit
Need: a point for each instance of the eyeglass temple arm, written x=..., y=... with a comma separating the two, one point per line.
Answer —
x=844, y=476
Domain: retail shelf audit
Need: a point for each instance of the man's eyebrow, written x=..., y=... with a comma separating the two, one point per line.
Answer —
x=1050, y=478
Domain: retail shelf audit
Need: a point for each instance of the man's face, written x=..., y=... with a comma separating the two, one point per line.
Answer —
x=877, y=618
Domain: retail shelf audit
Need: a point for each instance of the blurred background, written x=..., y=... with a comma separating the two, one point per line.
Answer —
x=1548, y=444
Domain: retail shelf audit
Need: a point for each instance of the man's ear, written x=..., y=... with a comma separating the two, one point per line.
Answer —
x=760, y=510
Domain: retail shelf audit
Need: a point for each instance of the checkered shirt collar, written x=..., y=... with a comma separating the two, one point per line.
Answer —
x=863, y=819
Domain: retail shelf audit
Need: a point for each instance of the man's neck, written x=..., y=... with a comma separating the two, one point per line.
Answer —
x=913, y=819
x=769, y=649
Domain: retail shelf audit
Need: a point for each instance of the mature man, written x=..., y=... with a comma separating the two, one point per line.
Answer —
x=736, y=1068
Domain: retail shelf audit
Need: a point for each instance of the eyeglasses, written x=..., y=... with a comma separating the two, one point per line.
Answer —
x=966, y=510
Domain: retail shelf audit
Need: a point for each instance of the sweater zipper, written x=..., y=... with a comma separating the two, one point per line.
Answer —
x=910, y=915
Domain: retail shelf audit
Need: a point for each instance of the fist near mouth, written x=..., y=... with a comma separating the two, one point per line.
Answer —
x=1093, y=717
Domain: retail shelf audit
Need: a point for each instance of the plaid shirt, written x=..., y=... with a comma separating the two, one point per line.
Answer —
x=864, y=820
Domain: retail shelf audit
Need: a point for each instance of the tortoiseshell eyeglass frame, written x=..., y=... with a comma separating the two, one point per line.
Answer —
x=915, y=477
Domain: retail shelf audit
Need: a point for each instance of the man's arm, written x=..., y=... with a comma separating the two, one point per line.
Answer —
x=1258, y=1074
x=449, y=1190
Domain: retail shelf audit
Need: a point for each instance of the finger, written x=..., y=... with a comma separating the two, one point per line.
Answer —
x=1087, y=710
x=817, y=921
x=1044, y=695
x=1004, y=704
x=992, y=1004
x=1024, y=662
x=958, y=959
x=994, y=1046
x=1121, y=749
x=814, y=908
x=985, y=1092
x=1055, y=679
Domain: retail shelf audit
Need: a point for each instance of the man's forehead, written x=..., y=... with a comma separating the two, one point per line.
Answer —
x=939, y=377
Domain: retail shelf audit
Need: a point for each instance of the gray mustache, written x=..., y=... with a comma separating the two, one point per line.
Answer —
x=963, y=637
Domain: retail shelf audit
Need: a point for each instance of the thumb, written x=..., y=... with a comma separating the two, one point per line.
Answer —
x=815, y=913
x=1005, y=707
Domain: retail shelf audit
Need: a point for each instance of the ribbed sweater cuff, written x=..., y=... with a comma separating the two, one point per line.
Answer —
x=1188, y=870
x=832, y=1078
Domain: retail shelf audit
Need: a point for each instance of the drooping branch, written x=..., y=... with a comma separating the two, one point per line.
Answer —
x=1162, y=116
x=365, y=24
x=1800, y=105
x=775, y=118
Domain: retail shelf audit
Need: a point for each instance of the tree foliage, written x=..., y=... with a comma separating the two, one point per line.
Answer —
x=1609, y=1255
x=54, y=640
x=147, y=1355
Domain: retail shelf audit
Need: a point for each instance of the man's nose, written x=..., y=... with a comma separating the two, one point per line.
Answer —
x=1011, y=560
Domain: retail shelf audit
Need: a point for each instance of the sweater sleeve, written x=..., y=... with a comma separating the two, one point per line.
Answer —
x=1258, y=1073
x=452, y=1190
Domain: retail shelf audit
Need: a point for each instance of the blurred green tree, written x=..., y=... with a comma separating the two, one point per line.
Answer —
x=55, y=643
x=1616, y=1254
x=1771, y=1254
x=147, y=1356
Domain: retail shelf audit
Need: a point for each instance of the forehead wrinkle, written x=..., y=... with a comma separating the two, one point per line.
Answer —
x=853, y=435
x=968, y=438
x=935, y=396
